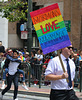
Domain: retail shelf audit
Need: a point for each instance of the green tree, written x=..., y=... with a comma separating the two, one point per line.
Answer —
x=14, y=10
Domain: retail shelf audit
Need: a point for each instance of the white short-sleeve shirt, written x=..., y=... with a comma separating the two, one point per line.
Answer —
x=54, y=67
x=12, y=69
x=40, y=57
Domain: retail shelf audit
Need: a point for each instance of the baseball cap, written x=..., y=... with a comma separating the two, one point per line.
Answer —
x=27, y=53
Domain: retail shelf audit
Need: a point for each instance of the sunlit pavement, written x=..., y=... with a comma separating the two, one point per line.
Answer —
x=35, y=91
x=9, y=96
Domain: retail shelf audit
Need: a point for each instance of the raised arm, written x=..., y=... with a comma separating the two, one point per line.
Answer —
x=12, y=59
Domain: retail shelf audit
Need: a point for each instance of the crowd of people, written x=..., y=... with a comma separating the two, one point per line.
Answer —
x=35, y=57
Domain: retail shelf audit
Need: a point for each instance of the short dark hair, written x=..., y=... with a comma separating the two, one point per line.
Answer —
x=40, y=50
x=34, y=52
x=15, y=51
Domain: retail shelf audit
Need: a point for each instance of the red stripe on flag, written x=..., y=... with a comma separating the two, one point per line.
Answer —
x=44, y=10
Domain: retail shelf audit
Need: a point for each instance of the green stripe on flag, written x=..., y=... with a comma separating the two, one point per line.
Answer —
x=61, y=25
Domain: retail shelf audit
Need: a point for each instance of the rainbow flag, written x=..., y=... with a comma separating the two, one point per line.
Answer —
x=50, y=28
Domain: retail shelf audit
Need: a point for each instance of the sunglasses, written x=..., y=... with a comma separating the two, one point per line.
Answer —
x=70, y=48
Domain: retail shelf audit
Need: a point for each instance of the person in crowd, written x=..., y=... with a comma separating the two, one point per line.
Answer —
x=10, y=53
x=78, y=52
x=2, y=64
x=21, y=56
x=32, y=62
x=77, y=65
x=47, y=59
x=76, y=61
x=80, y=62
x=12, y=76
x=61, y=89
x=21, y=72
x=2, y=48
x=25, y=50
x=35, y=71
x=27, y=57
x=39, y=57
x=52, y=54
x=80, y=55
x=1, y=58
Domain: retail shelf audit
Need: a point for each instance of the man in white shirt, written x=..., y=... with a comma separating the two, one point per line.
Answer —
x=40, y=56
x=60, y=89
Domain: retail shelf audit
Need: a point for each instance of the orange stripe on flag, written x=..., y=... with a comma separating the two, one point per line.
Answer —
x=46, y=16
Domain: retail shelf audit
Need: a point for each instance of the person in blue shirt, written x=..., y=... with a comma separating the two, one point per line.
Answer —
x=80, y=56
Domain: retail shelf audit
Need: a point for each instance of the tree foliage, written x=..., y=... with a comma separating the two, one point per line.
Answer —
x=14, y=10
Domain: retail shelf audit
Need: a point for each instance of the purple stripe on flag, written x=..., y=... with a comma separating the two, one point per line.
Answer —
x=54, y=41
x=56, y=47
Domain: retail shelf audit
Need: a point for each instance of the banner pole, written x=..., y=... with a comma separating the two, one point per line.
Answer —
x=58, y=52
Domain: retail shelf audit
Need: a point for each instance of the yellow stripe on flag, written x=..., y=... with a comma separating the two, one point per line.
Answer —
x=58, y=18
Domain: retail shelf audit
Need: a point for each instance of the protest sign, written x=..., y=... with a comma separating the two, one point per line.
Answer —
x=50, y=28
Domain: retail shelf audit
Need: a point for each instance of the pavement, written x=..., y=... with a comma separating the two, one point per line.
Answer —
x=9, y=96
x=35, y=90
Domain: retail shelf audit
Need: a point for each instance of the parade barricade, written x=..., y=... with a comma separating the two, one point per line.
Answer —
x=26, y=67
x=77, y=77
x=38, y=70
x=35, y=74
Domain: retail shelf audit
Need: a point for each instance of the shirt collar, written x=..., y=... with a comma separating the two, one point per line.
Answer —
x=63, y=57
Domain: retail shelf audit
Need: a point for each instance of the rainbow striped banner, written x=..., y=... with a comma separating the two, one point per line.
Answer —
x=50, y=28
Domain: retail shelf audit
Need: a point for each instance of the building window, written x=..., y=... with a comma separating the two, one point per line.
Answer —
x=35, y=41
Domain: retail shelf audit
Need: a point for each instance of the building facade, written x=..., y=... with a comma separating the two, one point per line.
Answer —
x=70, y=10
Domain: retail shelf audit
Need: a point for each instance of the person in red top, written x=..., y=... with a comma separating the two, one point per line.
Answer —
x=47, y=59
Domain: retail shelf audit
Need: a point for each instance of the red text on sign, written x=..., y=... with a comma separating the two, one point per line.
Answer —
x=47, y=26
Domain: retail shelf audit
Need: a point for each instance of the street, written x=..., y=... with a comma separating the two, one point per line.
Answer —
x=9, y=96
